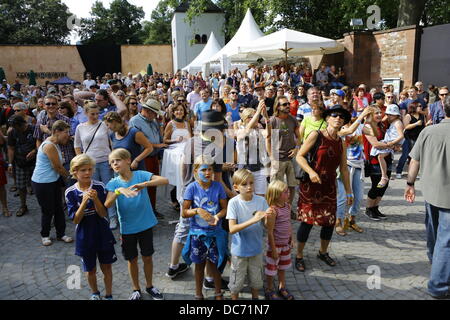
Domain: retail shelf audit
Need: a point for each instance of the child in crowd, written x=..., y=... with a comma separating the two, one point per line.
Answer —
x=205, y=203
x=279, y=231
x=245, y=212
x=394, y=136
x=136, y=217
x=94, y=239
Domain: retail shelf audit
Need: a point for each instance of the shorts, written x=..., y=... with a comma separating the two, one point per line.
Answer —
x=281, y=168
x=260, y=180
x=282, y=263
x=23, y=177
x=242, y=267
x=182, y=230
x=89, y=261
x=130, y=243
x=199, y=251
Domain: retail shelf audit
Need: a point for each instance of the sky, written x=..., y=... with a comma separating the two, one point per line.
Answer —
x=82, y=8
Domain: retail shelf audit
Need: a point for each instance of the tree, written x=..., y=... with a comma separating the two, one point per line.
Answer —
x=158, y=29
x=410, y=11
x=34, y=22
x=120, y=24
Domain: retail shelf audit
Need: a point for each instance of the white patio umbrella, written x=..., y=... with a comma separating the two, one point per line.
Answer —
x=290, y=42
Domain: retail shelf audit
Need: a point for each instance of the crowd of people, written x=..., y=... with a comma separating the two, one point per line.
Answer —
x=235, y=148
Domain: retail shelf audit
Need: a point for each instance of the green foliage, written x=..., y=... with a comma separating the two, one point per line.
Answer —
x=158, y=29
x=116, y=25
x=435, y=12
x=33, y=22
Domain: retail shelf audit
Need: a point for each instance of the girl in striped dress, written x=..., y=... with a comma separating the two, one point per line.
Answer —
x=279, y=229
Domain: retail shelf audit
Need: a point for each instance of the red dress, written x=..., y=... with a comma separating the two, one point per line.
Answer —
x=317, y=202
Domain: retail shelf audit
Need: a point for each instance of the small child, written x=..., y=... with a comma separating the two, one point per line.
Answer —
x=94, y=239
x=136, y=217
x=394, y=136
x=205, y=203
x=245, y=211
x=279, y=231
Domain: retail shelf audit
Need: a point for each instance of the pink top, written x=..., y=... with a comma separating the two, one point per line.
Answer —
x=283, y=229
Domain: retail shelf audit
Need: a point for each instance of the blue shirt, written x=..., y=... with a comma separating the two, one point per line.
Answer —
x=437, y=113
x=92, y=233
x=44, y=172
x=201, y=107
x=404, y=104
x=106, y=110
x=149, y=128
x=234, y=113
x=129, y=142
x=80, y=116
x=135, y=214
x=247, y=242
x=205, y=199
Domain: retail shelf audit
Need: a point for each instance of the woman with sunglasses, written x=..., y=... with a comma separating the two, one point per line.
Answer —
x=132, y=107
x=317, y=198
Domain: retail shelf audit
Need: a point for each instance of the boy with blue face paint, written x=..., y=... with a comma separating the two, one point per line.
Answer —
x=205, y=204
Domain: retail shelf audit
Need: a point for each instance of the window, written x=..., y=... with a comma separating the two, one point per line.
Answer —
x=198, y=39
x=204, y=38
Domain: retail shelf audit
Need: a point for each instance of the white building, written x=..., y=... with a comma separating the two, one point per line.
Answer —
x=188, y=40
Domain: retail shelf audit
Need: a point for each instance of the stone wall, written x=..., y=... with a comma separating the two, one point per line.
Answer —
x=54, y=60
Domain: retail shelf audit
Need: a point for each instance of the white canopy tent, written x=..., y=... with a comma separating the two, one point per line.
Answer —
x=210, y=49
x=290, y=42
x=248, y=31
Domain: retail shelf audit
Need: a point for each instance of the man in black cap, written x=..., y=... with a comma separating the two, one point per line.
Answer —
x=22, y=153
x=210, y=141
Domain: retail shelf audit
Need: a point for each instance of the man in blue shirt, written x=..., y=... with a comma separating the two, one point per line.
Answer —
x=437, y=109
x=203, y=105
x=412, y=96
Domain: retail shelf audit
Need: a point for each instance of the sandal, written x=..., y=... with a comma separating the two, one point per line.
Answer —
x=340, y=231
x=300, y=264
x=355, y=227
x=346, y=223
x=325, y=257
x=218, y=296
x=21, y=211
x=272, y=295
x=285, y=294
x=381, y=185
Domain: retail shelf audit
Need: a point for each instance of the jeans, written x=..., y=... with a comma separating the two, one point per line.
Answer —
x=336, y=85
x=357, y=184
x=404, y=156
x=104, y=173
x=437, y=222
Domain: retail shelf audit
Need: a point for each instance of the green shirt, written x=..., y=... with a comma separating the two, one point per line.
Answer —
x=311, y=125
x=432, y=150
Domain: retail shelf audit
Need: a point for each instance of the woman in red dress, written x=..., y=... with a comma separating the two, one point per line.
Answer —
x=317, y=199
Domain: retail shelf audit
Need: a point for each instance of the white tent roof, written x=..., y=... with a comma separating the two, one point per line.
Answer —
x=248, y=31
x=297, y=44
x=210, y=49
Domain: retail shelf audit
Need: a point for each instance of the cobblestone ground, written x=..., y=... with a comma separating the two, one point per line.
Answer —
x=396, y=246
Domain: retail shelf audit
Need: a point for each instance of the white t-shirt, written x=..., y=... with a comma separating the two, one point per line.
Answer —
x=88, y=83
x=99, y=148
x=192, y=98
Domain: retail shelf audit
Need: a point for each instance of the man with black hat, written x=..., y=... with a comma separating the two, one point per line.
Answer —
x=146, y=122
x=22, y=153
x=210, y=142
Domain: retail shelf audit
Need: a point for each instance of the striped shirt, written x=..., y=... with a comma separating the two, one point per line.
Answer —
x=282, y=232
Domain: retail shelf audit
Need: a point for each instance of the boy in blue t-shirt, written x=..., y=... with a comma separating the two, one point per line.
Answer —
x=205, y=203
x=136, y=217
x=245, y=212
x=94, y=239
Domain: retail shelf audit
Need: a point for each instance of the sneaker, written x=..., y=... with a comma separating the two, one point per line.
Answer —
x=156, y=295
x=379, y=214
x=46, y=241
x=372, y=214
x=172, y=273
x=136, y=295
x=96, y=296
x=66, y=239
x=398, y=176
x=113, y=223
x=109, y=298
x=210, y=284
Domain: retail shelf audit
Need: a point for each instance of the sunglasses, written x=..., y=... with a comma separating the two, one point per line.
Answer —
x=51, y=104
x=443, y=94
x=62, y=108
x=336, y=114
x=284, y=104
x=234, y=92
x=17, y=110
x=133, y=103
x=389, y=97
x=181, y=100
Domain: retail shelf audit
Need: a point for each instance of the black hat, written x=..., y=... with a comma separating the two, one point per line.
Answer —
x=212, y=119
x=338, y=108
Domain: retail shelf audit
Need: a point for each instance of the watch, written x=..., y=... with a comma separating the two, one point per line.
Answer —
x=411, y=184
